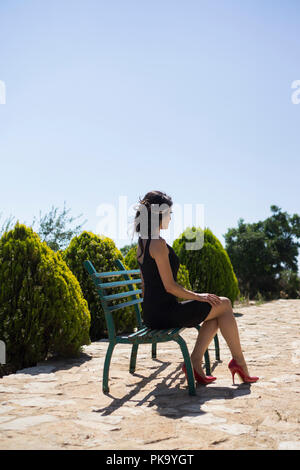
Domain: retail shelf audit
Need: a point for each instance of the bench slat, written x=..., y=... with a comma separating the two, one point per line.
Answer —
x=159, y=333
x=122, y=294
x=117, y=273
x=125, y=304
x=105, y=285
x=137, y=333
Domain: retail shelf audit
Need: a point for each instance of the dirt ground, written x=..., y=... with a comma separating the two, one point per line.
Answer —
x=59, y=404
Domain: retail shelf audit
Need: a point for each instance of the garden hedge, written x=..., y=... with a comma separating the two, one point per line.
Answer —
x=42, y=309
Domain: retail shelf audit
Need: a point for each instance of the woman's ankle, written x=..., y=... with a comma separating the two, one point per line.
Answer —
x=242, y=363
x=240, y=360
x=197, y=364
x=196, y=359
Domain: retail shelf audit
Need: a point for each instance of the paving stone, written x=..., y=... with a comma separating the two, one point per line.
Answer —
x=5, y=409
x=40, y=387
x=220, y=408
x=235, y=429
x=8, y=389
x=41, y=402
x=289, y=445
x=3, y=419
x=21, y=424
x=203, y=419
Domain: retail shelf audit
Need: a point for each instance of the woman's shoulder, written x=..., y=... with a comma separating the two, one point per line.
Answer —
x=157, y=246
x=159, y=242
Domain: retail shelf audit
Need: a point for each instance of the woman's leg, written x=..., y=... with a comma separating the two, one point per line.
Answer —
x=224, y=314
x=206, y=334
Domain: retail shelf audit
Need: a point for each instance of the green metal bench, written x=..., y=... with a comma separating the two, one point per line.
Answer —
x=143, y=334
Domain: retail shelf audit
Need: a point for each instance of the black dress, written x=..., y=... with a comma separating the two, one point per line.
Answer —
x=161, y=309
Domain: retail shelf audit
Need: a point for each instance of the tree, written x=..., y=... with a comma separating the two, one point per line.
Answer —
x=261, y=252
x=54, y=228
x=7, y=224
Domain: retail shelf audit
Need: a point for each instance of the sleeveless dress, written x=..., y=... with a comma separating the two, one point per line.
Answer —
x=161, y=309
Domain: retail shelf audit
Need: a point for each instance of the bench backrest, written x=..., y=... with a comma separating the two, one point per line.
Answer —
x=128, y=290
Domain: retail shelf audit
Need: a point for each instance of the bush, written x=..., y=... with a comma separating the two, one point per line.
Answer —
x=102, y=252
x=183, y=279
x=289, y=283
x=131, y=259
x=210, y=269
x=42, y=309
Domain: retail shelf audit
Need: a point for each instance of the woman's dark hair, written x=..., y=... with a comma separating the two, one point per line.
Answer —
x=152, y=201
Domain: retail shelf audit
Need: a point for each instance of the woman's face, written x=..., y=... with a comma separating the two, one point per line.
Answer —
x=166, y=217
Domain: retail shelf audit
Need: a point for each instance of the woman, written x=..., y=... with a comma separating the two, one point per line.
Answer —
x=159, y=265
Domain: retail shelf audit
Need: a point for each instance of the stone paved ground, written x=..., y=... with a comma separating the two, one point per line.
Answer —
x=59, y=404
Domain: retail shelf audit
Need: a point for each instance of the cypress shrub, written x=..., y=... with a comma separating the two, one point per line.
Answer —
x=183, y=279
x=42, y=309
x=102, y=252
x=210, y=269
x=131, y=259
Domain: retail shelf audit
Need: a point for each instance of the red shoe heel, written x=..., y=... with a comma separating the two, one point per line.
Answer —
x=234, y=368
x=233, y=374
x=201, y=380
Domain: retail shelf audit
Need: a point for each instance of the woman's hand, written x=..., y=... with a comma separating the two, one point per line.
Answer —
x=210, y=298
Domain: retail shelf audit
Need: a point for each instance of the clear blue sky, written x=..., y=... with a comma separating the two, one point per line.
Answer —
x=111, y=98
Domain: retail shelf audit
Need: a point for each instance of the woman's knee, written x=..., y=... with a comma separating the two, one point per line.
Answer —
x=225, y=302
x=220, y=309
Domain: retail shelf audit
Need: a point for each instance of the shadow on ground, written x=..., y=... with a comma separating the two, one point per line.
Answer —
x=168, y=398
x=55, y=364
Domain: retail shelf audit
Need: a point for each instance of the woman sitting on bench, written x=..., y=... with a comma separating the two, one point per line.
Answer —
x=159, y=265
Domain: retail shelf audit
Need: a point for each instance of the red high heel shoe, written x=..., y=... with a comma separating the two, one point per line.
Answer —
x=201, y=380
x=234, y=368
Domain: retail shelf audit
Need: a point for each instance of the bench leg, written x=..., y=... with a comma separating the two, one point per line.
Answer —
x=207, y=363
x=154, y=350
x=217, y=348
x=109, y=352
x=134, y=351
x=188, y=364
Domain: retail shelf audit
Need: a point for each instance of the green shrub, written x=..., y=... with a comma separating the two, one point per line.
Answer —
x=131, y=259
x=42, y=309
x=210, y=269
x=183, y=279
x=102, y=252
x=289, y=283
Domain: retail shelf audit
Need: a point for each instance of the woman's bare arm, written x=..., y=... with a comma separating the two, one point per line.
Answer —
x=160, y=252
